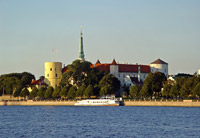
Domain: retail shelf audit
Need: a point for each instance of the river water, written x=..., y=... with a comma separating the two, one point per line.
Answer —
x=99, y=122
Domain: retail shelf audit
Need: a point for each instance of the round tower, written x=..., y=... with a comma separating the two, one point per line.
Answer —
x=53, y=73
x=160, y=66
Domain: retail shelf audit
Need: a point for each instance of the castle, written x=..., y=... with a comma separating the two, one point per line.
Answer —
x=128, y=74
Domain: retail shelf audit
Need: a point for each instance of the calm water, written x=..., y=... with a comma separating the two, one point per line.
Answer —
x=97, y=122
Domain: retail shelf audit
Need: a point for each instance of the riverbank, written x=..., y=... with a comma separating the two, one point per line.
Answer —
x=185, y=103
x=37, y=103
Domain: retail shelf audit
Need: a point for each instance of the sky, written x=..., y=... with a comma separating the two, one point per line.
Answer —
x=33, y=32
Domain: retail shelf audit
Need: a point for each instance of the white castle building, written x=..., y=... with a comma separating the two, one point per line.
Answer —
x=129, y=74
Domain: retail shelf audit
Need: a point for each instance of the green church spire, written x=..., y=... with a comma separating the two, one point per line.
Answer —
x=81, y=52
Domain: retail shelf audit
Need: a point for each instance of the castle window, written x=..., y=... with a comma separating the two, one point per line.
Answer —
x=50, y=69
x=47, y=75
x=56, y=75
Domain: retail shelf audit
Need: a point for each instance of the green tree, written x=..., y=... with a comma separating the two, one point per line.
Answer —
x=186, y=88
x=33, y=93
x=48, y=93
x=135, y=91
x=64, y=91
x=80, y=71
x=147, y=90
x=167, y=88
x=96, y=90
x=125, y=90
x=80, y=91
x=24, y=93
x=72, y=92
x=109, y=85
x=41, y=92
x=56, y=92
x=174, y=91
x=157, y=83
x=88, y=91
x=196, y=90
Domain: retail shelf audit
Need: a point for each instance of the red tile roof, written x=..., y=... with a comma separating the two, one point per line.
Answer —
x=123, y=67
x=65, y=69
x=38, y=82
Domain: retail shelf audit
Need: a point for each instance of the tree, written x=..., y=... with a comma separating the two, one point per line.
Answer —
x=157, y=83
x=186, y=88
x=13, y=83
x=24, y=93
x=56, y=92
x=80, y=91
x=174, y=91
x=88, y=91
x=167, y=88
x=33, y=93
x=80, y=71
x=72, y=92
x=147, y=90
x=125, y=90
x=48, y=93
x=96, y=90
x=41, y=92
x=196, y=90
x=135, y=90
x=64, y=91
x=109, y=85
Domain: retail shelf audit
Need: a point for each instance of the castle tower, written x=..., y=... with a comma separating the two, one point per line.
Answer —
x=160, y=66
x=53, y=73
x=81, y=52
x=114, y=68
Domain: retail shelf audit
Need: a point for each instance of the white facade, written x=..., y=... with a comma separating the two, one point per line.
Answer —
x=125, y=77
x=53, y=73
x=199, y=72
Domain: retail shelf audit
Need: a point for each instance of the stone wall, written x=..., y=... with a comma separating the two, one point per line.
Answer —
x=185, y=103
x=37, y=103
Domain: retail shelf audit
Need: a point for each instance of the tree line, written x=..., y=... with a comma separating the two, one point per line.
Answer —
x=13, y=83
x=156, y=86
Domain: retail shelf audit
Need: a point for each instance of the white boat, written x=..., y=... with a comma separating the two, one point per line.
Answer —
x=97, y=102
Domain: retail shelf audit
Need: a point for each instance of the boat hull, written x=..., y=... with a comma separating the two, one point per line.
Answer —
x=97, y=102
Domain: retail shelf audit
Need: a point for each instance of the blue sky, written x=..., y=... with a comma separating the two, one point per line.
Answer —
x=132, y=31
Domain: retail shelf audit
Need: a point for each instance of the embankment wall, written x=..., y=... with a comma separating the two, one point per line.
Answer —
x=37, y=103
x=186, y=103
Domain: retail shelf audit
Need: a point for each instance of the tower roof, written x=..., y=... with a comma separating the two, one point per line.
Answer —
x=98, y=62
x=159, y=61
x=114, y=62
